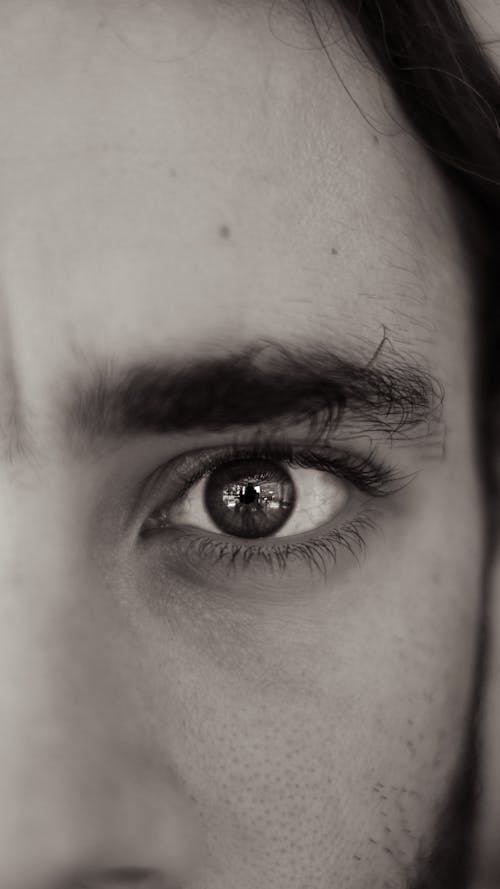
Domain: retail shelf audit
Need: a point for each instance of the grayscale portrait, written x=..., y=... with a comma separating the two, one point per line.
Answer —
x=249, y=328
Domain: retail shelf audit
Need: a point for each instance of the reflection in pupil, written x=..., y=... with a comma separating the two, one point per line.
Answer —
x=249, y=494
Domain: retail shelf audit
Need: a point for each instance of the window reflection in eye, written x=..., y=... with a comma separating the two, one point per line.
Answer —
x=266, y=504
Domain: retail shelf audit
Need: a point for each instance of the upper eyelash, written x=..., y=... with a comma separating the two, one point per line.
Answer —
x=368, y=473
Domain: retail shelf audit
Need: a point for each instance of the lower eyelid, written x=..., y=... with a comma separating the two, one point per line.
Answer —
x=215, y=561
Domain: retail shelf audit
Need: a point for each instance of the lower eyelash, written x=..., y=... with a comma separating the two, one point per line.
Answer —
x=319, y=554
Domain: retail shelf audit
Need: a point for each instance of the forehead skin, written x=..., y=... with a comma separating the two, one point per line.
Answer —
x=176, y=178
x=122, y=174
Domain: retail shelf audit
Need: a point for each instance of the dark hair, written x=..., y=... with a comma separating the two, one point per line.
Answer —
x=449, y=92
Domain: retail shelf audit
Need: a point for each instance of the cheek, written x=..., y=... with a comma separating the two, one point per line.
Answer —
x=317, y=735
x=331, y=748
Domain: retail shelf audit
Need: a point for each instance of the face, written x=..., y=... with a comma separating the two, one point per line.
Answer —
x=237, y=645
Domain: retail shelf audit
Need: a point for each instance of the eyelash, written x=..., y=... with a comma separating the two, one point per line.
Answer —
x=367, y=474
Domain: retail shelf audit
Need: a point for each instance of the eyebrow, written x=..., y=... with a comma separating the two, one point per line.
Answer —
x=258, y=384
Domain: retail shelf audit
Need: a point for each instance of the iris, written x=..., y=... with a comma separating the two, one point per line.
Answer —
x=251, y=499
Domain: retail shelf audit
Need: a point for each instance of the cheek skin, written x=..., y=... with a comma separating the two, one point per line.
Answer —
x=315, y=788
x=318, y=747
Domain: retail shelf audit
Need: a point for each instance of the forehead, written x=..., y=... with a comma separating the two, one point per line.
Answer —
x=179, y=174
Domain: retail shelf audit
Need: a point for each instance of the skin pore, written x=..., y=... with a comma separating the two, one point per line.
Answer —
x=180, y=182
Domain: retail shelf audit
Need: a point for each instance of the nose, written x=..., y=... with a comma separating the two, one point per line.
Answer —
x=87, y=800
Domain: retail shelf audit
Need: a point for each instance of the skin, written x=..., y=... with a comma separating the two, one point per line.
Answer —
x=176, y=178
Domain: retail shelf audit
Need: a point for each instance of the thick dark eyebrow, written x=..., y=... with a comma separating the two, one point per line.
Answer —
x=253, y=386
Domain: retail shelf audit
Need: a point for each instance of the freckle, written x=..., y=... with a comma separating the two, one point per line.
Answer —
x=173, y=173
x=224, y=231
x=358, y=857
x=334, y=251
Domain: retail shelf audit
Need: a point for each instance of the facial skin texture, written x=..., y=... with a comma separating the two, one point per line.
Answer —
x=179, y=180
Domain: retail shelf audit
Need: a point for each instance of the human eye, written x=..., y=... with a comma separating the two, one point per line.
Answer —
x=261, y=506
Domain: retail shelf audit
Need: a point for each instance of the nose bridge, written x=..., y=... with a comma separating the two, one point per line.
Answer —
x=46, y=621
x=54, y=689
x=48, y=582
x=76, y=793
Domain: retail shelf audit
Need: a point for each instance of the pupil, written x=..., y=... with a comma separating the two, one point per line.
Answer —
x=250, y=498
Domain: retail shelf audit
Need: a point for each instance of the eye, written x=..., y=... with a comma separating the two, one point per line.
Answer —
x=258, y=498
x=261, y=507
x=250, y=500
